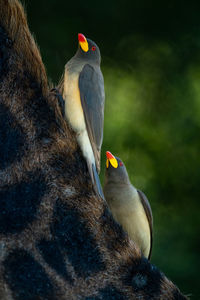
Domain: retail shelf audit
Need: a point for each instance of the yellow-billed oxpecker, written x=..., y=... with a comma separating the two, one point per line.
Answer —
x=129, y=206
x=83, y=92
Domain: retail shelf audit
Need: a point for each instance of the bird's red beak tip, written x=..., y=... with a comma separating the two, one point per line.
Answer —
x=81, y=37
x=109, y=155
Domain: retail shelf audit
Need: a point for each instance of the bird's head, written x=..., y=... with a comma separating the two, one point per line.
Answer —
x=88, y=50
x=115, y=170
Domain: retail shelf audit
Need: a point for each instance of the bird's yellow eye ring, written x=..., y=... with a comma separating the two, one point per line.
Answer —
x=93, y=48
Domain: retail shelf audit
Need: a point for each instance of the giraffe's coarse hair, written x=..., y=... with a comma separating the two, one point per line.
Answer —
x=58, y=240
x=13, y=19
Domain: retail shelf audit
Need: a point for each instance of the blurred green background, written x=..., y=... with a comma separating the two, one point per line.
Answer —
x=151, y=66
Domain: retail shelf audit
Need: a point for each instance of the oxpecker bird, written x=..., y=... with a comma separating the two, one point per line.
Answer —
x=83, y=91
x=129, y=206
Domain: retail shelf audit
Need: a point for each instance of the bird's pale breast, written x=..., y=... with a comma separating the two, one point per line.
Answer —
x=128, y=210
x=73, y=107
x=74, y=112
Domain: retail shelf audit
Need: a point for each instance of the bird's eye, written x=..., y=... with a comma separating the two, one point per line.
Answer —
x=93, y=48
x=121, y=164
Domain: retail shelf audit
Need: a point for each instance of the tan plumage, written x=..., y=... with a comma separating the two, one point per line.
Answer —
x=129, y=207
x=82, y=89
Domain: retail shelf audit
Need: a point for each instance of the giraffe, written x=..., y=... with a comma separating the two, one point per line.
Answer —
x=58, y=240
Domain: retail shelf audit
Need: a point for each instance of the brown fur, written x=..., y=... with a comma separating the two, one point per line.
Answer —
x=13, y=18
x=58, y=240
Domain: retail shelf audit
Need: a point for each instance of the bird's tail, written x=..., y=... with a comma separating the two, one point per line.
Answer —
x=95, y=180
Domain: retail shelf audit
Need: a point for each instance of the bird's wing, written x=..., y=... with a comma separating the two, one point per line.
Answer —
x=149, y=215
x=91, y=86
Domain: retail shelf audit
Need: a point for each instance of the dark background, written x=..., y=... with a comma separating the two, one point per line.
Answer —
x=151, y=66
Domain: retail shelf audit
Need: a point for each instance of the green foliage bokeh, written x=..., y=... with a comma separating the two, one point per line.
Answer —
x=151, y=66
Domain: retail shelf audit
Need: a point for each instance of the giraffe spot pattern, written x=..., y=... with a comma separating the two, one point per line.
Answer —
x=69, y=169
x=11, y=139
x=109, y=293
x=75, y=239
x=26, y=278
x=19, y=203
x=142, y=276
x=39, y=110
x=54, y=257
x=5, y=45
x=139, y=281
x=110, y=226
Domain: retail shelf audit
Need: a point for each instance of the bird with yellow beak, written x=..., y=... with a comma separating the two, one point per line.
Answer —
x=82, y=89
x=129, y=206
